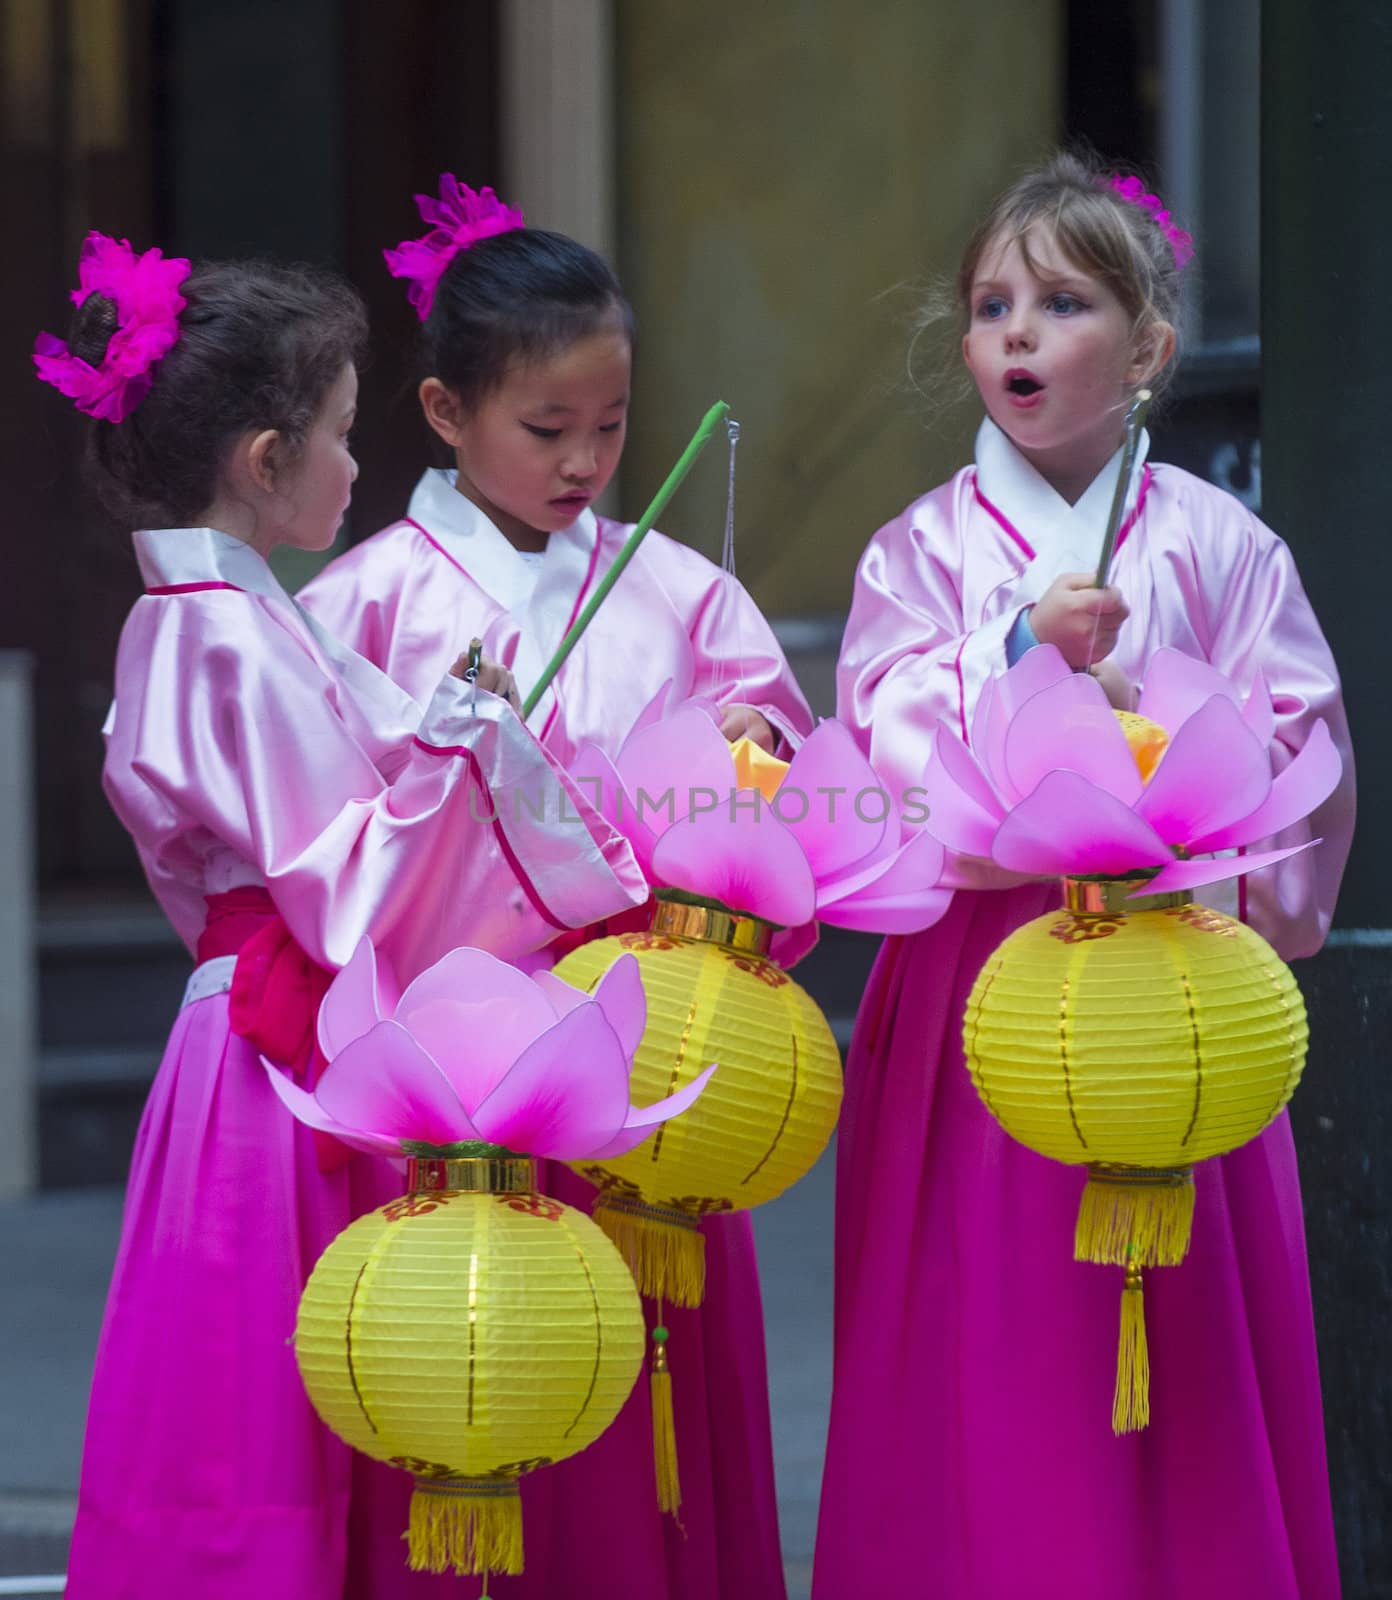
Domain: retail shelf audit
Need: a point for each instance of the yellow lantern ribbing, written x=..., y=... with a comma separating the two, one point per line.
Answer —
x=1135, y=1038
x=762, y=1121
x=468, y=1333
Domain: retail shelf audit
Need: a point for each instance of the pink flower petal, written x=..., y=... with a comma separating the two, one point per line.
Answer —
x=789, y=945
x=1070, y=726
x=1310, y=778
x=307, y=1109
x=667, y=699
x=671, y=1105
x=818, y=802
x=562, y=995
x=602, y=785
x=643, y=1120
x=1194, y=874
x=1000, y=700
x=1212, y=773
x=624, y=1140
x=965, y=769
x=908, y=878
x=1258, y=713
x=889, y=912
x=963, y=810
x=475, y=1015
x=989, y=723
x=715, y=712
x=384, y=1083
x=620, y=996
x=567, y=1094
x=749, y=862
x=655, y=709
x=1069, y=825
x=1035, y=671
x=351, y=1006
x=598, y=780
x=663, y=766
x=1176, y=686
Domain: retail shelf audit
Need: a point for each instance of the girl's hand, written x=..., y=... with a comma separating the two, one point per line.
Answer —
x=1115, y=685
x=744, y=722
x=491, y=676
x=1069, y=614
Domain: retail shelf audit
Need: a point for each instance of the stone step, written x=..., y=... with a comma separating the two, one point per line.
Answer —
x=35, y=1530
x=111, y=975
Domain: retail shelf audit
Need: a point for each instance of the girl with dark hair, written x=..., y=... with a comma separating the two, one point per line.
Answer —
x=970, y=1455
x=286, y=799
x=527, y=344
x=527, y=351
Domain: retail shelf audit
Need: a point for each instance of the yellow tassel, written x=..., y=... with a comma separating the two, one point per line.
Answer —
x=664, y=1428
x=466, y=1524
x=1135, y=1215
x=1131, y=1404
x=664, y=1248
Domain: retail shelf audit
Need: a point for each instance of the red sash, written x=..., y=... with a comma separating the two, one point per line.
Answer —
x=276, y=991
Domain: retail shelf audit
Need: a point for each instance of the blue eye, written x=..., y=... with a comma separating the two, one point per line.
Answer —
x=542, y=433
x=991, y=308
x=1064, y=305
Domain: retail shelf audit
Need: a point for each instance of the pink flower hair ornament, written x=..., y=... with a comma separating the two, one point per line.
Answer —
x=785, y=842
x=1050, y=786
x=458, y=219
x=145, y=291
x=1133, y=192
x=476, y=1050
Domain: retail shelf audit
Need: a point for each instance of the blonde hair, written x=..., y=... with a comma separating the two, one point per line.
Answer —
x=1103, y=234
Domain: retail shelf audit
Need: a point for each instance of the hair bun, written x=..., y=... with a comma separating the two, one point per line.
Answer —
x=93, y=324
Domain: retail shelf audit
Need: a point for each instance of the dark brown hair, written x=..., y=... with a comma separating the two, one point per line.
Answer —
x=259, y=347
x=516, y=298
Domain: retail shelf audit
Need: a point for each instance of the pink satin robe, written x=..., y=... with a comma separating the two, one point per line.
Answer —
x=248, y=747
x=971, y=1455
x=410, y=598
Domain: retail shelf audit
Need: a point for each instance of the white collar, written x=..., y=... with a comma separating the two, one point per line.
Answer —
x=1064, y=538
x=540, y=603
x=170, y=557
x=476, y=544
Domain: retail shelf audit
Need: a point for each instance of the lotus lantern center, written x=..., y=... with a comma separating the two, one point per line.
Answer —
x=1147, y=741
x=755, y=768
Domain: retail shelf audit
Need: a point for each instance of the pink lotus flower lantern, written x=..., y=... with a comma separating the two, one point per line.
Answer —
x=1051, y=785
x=737, y=846
x=1129, y=1031
x=476, y=1328
x=786, y=842
x=475, y=1050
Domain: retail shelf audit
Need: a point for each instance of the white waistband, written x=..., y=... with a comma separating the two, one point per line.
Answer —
x=210, y=977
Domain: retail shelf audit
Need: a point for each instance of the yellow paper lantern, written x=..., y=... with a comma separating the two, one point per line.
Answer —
x=761, y=1122
x=1135, y=1037
x=468, y=1333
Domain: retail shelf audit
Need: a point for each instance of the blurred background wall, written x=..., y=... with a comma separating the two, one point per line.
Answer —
x=778, y=184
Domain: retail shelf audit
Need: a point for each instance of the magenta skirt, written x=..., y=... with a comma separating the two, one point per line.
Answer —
x=207, y=1474
x=971, y=1455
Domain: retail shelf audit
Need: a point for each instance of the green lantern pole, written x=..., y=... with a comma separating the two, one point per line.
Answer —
x=712, y=419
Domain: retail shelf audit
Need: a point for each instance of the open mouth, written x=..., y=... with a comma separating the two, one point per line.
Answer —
x=1022, y=384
